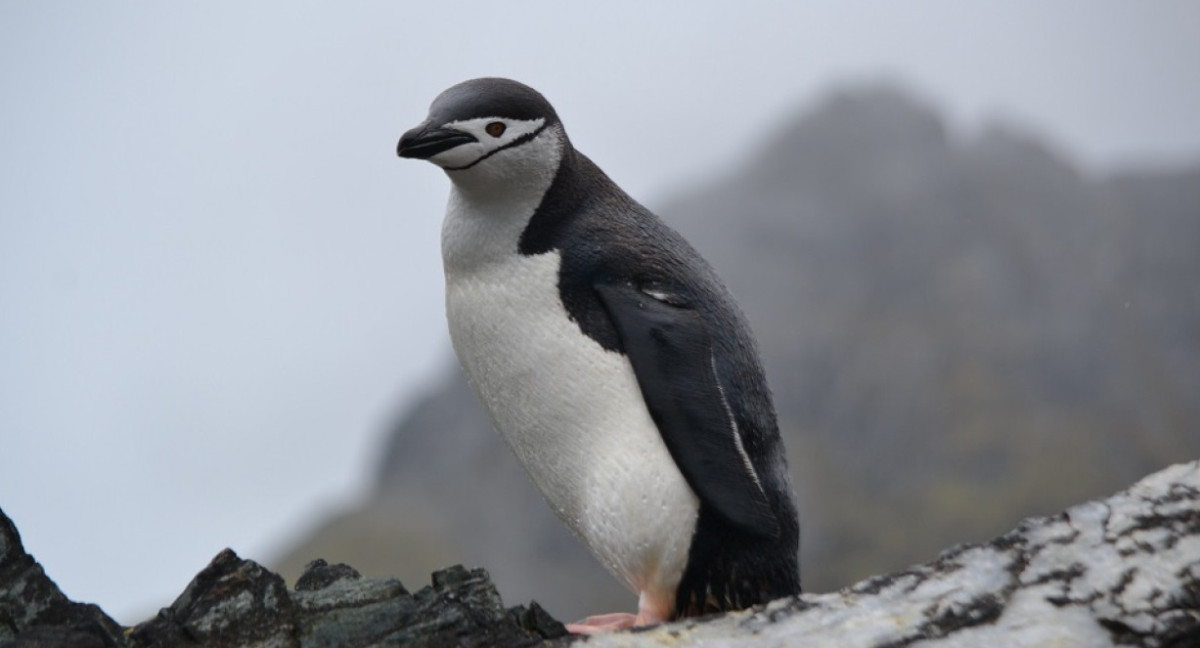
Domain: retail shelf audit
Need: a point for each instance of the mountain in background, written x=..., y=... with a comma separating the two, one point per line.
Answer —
x=959, y=332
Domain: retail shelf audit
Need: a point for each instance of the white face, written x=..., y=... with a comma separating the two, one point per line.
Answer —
x=491, y=133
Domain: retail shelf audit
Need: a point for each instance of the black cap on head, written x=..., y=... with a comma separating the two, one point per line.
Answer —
x=484, y=98
x=490, y=97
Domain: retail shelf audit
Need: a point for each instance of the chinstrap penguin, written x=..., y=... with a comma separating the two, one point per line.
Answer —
x=611, y=359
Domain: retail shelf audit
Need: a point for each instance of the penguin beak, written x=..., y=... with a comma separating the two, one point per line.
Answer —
x=426, y=141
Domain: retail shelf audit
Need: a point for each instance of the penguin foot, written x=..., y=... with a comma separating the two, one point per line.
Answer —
x=603, y=623
x=651, y=611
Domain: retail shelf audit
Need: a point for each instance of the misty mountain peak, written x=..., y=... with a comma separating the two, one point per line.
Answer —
x=858, y=132
x=1005, y=147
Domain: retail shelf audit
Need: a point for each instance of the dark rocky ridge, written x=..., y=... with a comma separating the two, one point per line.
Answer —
x=35, y=610
x=960, y=331
x=236, y=602
x=1122, y=571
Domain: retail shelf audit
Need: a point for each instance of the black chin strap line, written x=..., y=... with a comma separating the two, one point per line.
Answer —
x=517, y=142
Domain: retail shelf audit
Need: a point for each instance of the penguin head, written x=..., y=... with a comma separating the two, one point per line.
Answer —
x=488, y=129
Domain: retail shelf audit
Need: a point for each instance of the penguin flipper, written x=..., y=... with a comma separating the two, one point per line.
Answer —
x=671, y=351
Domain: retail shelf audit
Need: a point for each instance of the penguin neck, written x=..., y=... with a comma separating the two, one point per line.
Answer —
x=490, y=205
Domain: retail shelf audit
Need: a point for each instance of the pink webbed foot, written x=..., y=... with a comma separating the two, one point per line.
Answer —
x=651, y=611
x=603, y=623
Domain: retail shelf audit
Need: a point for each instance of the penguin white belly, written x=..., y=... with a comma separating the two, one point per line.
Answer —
x=573, y=414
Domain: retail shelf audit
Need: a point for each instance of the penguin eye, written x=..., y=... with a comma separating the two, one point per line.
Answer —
x=495, y=129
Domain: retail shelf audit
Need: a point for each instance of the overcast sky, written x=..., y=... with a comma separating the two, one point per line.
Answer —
x=218, y=284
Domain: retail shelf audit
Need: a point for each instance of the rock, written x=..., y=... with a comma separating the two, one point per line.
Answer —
x=35, y=613
x=231, y=602
x=235, y=602
x=1122, y=571
x=319, y=574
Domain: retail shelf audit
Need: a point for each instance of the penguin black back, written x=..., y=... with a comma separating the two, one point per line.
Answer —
x=607, y=238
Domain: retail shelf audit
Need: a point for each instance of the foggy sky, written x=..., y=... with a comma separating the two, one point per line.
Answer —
x=218, y=284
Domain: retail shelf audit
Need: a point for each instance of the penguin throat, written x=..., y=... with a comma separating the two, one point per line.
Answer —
x=484, y=221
